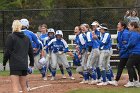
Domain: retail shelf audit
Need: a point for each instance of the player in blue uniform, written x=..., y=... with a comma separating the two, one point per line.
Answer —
x=59, y=48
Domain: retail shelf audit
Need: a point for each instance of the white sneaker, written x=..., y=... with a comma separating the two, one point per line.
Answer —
x=72, y=78
x=44, y=78
x=53, y=78
x=136, y=84
x=84, y=81
x=93, y=82
x=115, y=83
x=99, y=80
x=102, y=84
x=129, y=84
x=28, y=88
x=64, y=77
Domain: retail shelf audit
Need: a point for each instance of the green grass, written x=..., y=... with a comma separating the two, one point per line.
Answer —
x=107, y=90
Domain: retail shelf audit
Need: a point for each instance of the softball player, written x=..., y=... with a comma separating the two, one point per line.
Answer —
x=51, y=35
x=93, y=61
x=59, y=48
x=104, y=53
x=44, y=34
x=86, y=49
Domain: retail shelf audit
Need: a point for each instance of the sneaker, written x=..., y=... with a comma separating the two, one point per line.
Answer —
x=84, y=81
x=99, y=80
x=64, y=77
x=102, y=84
x=72, y=78
x=129, y=84
x=93, y=82
x=53, y=78
x=115, y=83
x=136, y=84
x=28, y=88
x=44, y=78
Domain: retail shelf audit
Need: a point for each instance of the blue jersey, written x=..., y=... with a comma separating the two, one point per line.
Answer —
x=38, y=49
x=122, y=40
x=133, y=45
x=32, y=37
x=97, y=33
x=80, y=41
x=76, y=60
x=105, y=41
x=58, y=45
x=49, y=48
x=43, y=38
x=88, y=39
x=95, y=44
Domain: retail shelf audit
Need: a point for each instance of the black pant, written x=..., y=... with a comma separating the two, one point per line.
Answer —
x=121, y=66
x=134, y=60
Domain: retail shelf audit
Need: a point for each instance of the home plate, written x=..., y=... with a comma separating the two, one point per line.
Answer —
x=38, y=87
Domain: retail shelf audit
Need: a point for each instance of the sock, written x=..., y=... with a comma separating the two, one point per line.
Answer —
x=50, y=69
x=93, y=74
x=61, y=69
x=98, y=73
x=86, y=75
x=108, y=75
x=81, y=73
x=69, y=71
x=53, y=71
x=104, y=75
x=111, y=72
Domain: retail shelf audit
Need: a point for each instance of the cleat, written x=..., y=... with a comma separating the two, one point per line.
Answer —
x=53, y=78
x=44, y=78
x=102, y=84
x=93, y=82
x=28, y=88
x=98, y=80
x=115, y=83
x=64, y=77
x=136, y=84
x=72, y=78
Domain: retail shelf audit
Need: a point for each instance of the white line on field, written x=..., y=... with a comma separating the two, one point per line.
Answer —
x=38, y=87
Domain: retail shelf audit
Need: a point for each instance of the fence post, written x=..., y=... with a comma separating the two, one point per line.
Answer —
x=80, y=16
x=3, y=29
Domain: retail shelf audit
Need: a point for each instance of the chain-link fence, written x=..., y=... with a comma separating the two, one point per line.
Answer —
x=64, y=19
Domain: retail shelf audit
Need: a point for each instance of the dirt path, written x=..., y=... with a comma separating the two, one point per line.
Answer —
x=58, y=86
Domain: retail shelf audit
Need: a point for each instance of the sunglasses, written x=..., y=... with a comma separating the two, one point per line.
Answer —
x=75, y=32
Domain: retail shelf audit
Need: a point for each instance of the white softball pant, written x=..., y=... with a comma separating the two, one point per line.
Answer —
x=104, y=59
x=62, y=58
x=93, y=60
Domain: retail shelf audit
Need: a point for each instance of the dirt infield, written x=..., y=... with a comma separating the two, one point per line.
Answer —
x=58, y=86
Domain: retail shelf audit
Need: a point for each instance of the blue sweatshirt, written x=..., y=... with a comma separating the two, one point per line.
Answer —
x=134, y=43
x=122, y=40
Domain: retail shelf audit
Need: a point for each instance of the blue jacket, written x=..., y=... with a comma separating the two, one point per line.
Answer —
x=33, y=38
x=80, y=40
x=58, y=45
x=43, y=38
x=122, y=40
x=88, y=39
x=133, y=45
x=105, y=41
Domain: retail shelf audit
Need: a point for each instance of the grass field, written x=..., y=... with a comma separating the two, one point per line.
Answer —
x=107, y=90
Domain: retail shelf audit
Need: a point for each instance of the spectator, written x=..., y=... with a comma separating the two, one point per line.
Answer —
x=17, y=54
